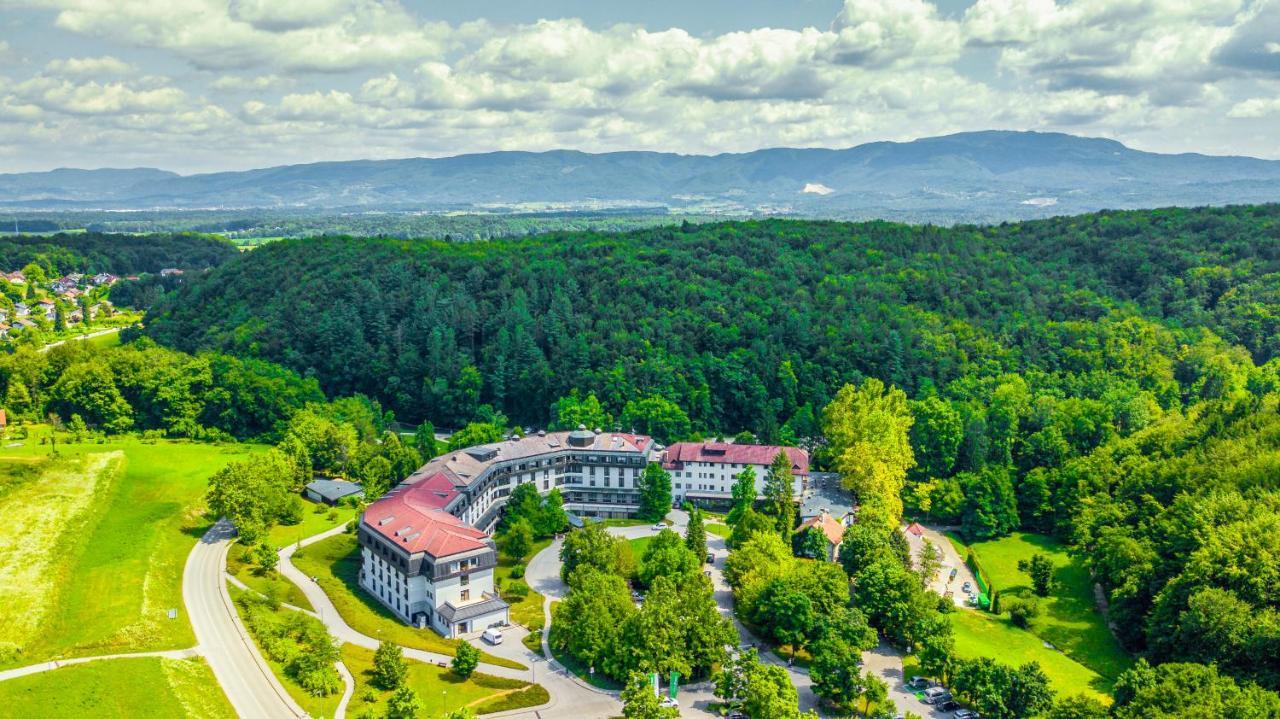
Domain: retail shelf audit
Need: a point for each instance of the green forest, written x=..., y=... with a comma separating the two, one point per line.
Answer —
x=1109, y=378
x=93, y=252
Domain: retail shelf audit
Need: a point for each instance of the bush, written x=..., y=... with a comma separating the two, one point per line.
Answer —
x=1022, y=611
x=292, y=514
x=517, y=572
x=517, y=589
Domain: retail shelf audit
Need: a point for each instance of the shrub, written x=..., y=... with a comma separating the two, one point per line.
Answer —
x=517, y=571
x=1022, y=611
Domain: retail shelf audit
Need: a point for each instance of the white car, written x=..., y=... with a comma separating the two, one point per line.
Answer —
x=659, y=526
x=670, y=703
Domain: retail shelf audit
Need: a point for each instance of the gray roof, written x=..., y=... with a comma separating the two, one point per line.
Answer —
x=334, y=489
x=489, y=605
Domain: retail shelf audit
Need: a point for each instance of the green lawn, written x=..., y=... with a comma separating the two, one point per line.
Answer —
x=720, y=530
x=525, y=611
x=638, y=545
x=1068, y=619
x=94, y=544
x=441, y=690
x=335, y=563
x=979, y=634
x=241, y=565
x=317, y=707
x=123, y=688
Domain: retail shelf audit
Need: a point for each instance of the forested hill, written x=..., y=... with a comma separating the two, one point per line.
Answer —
x=1111, y=378
x=118, y=254
x=743, y=323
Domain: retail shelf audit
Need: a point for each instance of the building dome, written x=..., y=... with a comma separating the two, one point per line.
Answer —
x=581, y=437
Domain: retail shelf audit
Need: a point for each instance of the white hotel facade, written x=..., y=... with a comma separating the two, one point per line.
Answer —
x=427, y=554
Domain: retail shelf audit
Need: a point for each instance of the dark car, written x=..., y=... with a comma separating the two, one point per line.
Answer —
x=918, y=683
x=735, y=715
x=965, y=714
x=711, y=558
x=948, y=706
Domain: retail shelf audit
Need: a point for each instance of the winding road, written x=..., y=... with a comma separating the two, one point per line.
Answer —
x=221, y=637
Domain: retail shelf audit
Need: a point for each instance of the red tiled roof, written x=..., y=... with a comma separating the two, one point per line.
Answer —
x=833, y=530
x=734, y=454
x=915, y=528
x=411, y=518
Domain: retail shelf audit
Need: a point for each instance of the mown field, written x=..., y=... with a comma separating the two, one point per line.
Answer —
x=118, y=689
x=335, y=563
x=1082, y=655
x=241, y=564
x=1068, y=617
x=94, y=543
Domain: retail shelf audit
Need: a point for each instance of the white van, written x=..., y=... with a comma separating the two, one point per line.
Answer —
x=492, y=635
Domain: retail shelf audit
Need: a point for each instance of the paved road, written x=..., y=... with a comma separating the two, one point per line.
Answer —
x=59, y=663
x=253, y=690
x=543, y=575
x=951, y=559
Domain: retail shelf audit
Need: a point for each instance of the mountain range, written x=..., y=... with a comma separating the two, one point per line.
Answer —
x=978, y=176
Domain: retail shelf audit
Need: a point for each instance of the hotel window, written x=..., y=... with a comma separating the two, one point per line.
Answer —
x=466, y=579
x=466, y=595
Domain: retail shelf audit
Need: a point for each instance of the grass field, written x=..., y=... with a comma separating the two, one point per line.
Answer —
x=317, y=707
x=526, y=611
x=241, y=565
x=118, y=688
x=979, y=634
x=441, y=690
x=1068, y=619
x=335, y=563
x=720, y=530
x=94, y=543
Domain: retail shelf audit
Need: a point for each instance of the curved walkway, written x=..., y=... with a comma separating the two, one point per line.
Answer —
x=59, y=663
x=253, y=689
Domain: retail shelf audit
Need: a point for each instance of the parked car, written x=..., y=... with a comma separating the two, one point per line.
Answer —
x=967, y=588
x=953, y=574
x=711, y=558
x=918, y=682
x=636, y=596
x=492, y=636
x=735, y=714
x=659, y=526
x=966, y=714
x=948, y=706
x=935, y=695
x=670, y=703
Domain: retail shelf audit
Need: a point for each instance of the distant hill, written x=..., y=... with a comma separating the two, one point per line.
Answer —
x=970, y=176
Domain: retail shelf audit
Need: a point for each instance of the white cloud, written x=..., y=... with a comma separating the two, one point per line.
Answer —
x=1255, y=107
x=326, y=79
x=879, y=32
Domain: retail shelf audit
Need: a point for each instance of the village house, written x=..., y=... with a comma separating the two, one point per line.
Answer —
x=332, y=491
x=49, y=309
x=21, y=309
x=171, y=272
x=16, y=278
x=832, y=532
x=104, y=278
x=705, y=472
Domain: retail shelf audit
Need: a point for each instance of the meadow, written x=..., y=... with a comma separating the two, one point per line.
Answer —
x=118, y=689
x=1068, y=617
x=94, y=544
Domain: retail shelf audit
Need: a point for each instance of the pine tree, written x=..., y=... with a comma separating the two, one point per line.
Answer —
x=389, y=668
x=779, y=495
x=695, y=537
x=655, y=493
x=744, y=494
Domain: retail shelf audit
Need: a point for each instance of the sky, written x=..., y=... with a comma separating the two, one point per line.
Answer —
x=210, y=85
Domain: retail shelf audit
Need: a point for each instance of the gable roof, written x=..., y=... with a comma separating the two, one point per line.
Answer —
x=333, y=489
x=732, y=453
x=408, y=517
x=832, y=529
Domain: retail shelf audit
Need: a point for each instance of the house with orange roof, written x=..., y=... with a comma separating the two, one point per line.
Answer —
x=831, y=528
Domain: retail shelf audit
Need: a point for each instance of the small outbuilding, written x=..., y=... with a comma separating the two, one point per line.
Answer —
x=332, y=491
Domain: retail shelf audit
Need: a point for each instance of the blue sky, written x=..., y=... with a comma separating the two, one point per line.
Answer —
x=206, y=85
